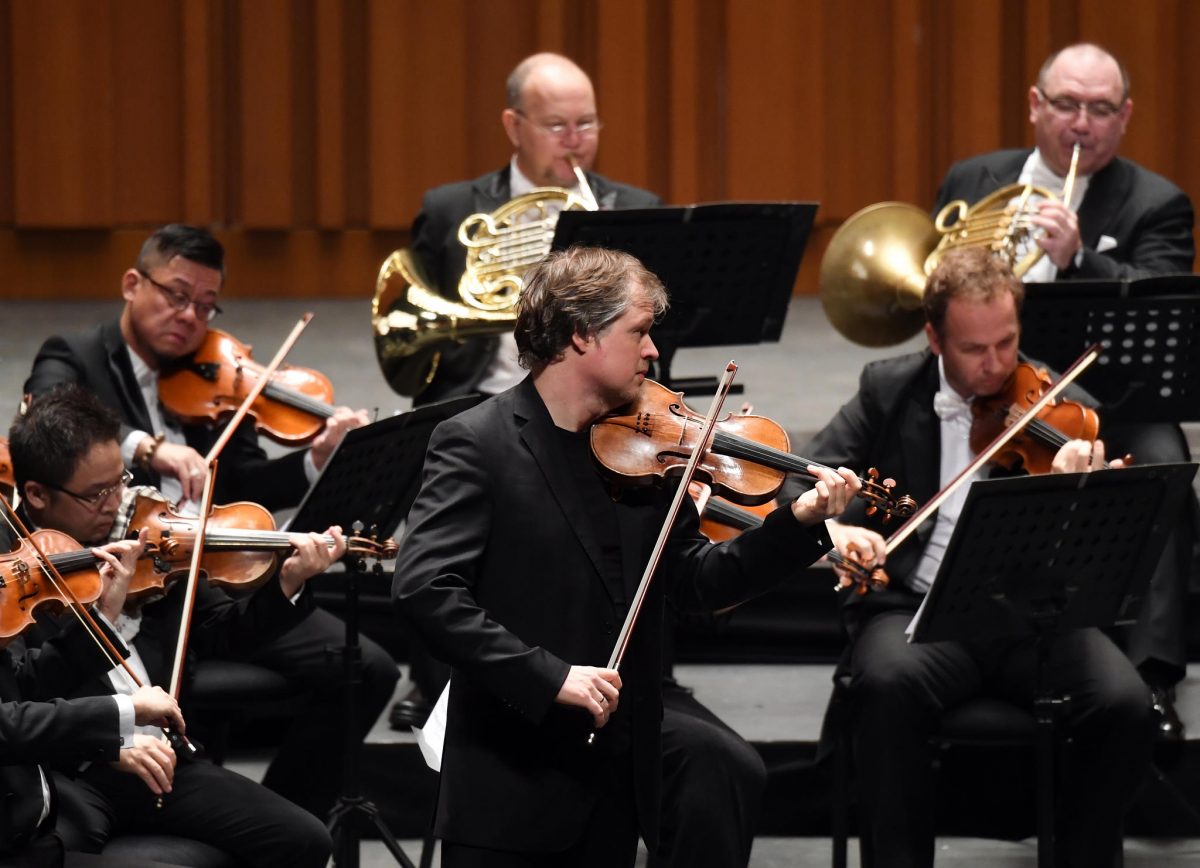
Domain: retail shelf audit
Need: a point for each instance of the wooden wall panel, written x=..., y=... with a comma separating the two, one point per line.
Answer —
x=63, y=118
x=306, y=131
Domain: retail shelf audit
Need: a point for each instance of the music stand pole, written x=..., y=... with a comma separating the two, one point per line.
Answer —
x=1053, y=553
x=350, y=805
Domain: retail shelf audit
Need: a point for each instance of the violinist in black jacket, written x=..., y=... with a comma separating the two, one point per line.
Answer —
x=37, y=735
x=67, y=463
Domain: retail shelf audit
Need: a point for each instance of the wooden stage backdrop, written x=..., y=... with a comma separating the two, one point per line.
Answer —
x=304, y=131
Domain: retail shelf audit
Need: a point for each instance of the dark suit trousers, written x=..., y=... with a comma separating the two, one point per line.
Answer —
x=713, y=784
x=899, y=691
x=308, y=767
x=609, y=839
x=206, y=802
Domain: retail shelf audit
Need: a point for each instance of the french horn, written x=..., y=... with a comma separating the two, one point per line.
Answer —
x=873, y=273
x=413, y=323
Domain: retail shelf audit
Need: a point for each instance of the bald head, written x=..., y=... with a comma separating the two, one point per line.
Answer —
x=1082, y=96
x=549, y=99
x=544, y=67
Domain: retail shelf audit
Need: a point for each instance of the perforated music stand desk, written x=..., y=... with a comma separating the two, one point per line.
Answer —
x=1149, y=370
x=374, y=473
x=730, y=268
x=1041, y=555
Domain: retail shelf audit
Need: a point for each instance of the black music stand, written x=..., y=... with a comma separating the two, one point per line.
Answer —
x=1149, y=370
x=1045, y=554
x=371, y=479
x=730, y=269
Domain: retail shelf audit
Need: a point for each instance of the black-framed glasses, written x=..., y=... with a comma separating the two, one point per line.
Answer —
x=1068, y=107
x=94, y=500
x=180, y=300
x=560, y=129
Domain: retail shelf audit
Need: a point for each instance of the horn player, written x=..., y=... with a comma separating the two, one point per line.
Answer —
x=1123, y=221
x=550, y=118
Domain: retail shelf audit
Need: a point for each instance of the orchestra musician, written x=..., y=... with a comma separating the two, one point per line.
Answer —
x=170, y=296
x=1123, y=221
x=67, y=461
x=38, y=735
x=715, y=779
x=912, y=415
x=551, y=120
x=525, y=625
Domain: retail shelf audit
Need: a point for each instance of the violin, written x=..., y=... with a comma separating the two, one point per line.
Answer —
x=210, y=384
x=721, y=520
x=241, y=546
x=747, y=463
x=1033, y=448
x=25, y=586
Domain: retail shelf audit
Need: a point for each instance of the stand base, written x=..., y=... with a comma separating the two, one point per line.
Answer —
x=345, y=835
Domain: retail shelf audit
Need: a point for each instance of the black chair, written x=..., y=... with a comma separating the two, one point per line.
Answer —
x=165, y=850
x=225, y=691
x=980, y=722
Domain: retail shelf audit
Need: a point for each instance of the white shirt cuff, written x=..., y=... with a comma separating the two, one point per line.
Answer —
x=125, y=718
x=130, y=444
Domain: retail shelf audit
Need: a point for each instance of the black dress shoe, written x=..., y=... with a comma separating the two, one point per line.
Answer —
x=1168, y=728
x=408, y=713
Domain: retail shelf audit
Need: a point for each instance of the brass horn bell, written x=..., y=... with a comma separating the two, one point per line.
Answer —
x=413, y=323
x=874, y=270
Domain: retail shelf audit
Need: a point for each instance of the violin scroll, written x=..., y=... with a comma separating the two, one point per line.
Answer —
x=880, y=496
x=852, y=572
x=369, y=545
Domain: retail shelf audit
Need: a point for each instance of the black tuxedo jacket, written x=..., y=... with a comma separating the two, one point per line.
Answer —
x=502, y=573
x=48, y=733
x=890, y=424
x=1149, y=217
x=435, y=243
x=98, y=360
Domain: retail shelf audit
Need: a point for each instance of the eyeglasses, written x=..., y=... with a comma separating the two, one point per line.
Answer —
x=180, y=300
x=1068, y=107
x=94, y=500
x=560, y=129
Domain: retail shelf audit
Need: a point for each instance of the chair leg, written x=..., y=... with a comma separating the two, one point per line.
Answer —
x=841, y=806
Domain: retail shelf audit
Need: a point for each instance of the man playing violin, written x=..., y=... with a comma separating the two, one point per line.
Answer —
x=1123, y=221
x=35, y=735
x=519, y=565
x=67, y=461
x=551, y=121
x=171, y=295
x=912, y=415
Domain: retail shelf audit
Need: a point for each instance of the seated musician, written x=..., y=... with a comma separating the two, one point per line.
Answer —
x=912, y=416
x=171, y=295
x=37, y=735
x=519, y=566
x=710, y=808
x=1123, y=221
x=67, y=461
x=551, y=120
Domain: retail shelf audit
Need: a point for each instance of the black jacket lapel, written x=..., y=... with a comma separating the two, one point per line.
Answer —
x=539, y=436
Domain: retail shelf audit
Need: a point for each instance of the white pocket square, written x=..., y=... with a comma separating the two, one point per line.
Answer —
x=1107, y=242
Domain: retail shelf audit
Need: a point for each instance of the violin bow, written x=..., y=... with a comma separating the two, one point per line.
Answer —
x=1002, y=439
x=114, y=657
x=210, y=475
x=698, y=452
x=47, y=567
